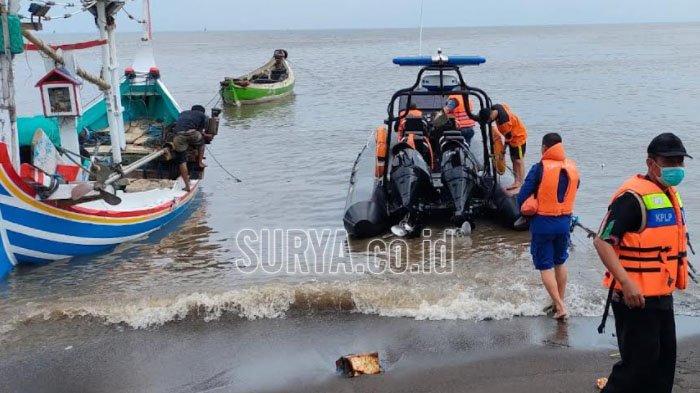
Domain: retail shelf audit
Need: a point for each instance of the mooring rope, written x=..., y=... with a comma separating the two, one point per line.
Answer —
x=222, y=167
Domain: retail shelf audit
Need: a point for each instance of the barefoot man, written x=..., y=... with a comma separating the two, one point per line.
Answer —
x=188, y=132
x=548, y=196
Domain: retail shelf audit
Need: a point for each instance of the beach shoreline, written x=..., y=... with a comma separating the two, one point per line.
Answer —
x=297, y=354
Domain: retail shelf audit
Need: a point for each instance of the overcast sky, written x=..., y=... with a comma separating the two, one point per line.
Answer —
x=178, y=15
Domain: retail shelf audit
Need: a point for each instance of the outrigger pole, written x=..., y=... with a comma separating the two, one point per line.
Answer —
x=50, y=52
x=8, y=87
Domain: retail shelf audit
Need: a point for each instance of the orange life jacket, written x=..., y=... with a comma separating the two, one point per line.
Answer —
x=411, y=141
x=656, y=256
x=513, y=130
x=554, y=161
x=462, y=119
x=381, y=150
x=499, y=155
x=412, y=114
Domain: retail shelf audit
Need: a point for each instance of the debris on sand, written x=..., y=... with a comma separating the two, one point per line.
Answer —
x=360, y=364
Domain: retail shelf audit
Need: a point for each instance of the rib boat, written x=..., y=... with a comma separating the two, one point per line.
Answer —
x=417, y=169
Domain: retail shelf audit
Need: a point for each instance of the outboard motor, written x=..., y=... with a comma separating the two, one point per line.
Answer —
x=458, y=173
x=213, y=124
x=410, y=184
x=410, y=176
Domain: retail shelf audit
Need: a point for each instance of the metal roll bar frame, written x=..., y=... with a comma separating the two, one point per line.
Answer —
x=465, y=91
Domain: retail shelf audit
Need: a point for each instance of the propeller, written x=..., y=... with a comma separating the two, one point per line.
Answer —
x=101, y=174
x=465, y=229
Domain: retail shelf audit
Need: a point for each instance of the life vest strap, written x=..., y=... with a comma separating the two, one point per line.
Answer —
x=634, y=258
x=643, y=269
x=644, y=249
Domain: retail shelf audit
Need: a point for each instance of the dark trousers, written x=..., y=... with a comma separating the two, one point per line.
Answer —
x=647, y=341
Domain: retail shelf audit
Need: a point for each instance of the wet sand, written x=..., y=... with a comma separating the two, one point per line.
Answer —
x=535, y=369
x=297, y=353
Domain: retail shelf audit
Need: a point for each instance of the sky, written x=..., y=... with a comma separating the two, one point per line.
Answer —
x=189, y=15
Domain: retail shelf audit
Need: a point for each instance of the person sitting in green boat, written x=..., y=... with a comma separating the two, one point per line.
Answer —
x=189, y=131
x=277, y=72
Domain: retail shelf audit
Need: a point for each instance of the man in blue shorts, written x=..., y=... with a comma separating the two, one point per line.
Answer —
x=548, y=196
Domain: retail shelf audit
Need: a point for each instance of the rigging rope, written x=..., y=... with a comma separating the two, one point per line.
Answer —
x=132, y=17
x=217, y=95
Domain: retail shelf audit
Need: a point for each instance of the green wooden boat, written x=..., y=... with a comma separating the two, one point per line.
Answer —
x=270, y=82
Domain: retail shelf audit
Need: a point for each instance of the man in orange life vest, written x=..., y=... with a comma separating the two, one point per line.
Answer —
x=548, y=196
x=413, y=113
x=455, y=106
x=642, y=243
x=512, y=129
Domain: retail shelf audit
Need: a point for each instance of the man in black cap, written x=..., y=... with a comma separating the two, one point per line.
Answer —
x=643, y=244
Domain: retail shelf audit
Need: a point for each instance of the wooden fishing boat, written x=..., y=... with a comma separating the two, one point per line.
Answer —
x=270, y=82
x=124, y=186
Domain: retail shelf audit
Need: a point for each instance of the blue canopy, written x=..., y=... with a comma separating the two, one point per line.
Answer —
x=414, y=61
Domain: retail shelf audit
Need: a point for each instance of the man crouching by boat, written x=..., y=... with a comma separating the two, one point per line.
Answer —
x=189, y=130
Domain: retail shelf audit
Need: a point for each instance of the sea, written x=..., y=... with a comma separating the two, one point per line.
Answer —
x=608, y=89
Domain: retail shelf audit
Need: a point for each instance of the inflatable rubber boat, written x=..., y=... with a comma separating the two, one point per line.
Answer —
x=419, y=166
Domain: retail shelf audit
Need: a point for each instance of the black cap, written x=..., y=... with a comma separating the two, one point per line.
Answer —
x=199, y=108
x=667, y=145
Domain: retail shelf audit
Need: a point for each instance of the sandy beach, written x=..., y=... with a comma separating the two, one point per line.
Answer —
x=297, y=354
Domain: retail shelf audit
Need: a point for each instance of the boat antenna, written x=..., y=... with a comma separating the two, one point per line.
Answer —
x=147, y=29
x=420, y=32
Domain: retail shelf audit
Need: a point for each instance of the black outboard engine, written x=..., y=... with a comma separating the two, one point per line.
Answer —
x=410, y=184
x=458, y=174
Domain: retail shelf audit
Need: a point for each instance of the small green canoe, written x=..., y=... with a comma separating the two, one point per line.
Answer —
x=272, y=81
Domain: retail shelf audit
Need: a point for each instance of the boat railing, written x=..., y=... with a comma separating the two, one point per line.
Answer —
x=466, y=91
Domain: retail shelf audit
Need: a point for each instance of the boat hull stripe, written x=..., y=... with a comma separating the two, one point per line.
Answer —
x=52, y=247
x=48, y=223
x=37, y=254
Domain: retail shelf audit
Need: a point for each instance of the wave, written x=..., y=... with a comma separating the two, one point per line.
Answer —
x=276, y=300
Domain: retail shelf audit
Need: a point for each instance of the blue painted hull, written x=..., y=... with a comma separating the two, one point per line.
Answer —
x=35, y=232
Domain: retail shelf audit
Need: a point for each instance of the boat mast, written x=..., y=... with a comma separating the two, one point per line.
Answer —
x=116, y=84
x=8, y=87
x=110, y=95
x=147, y=29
